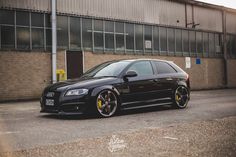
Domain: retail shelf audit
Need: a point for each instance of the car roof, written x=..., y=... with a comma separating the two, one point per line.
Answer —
x=140, y=59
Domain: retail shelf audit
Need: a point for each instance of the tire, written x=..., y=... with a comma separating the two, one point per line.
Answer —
x=181, y=97
x=106, y=103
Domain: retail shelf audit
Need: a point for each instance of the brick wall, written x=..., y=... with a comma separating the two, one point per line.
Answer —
x=231, y=66
x=23, y=75
x=207, y=75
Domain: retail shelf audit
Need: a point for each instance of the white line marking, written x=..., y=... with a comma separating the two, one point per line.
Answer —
x=9, y=132
x=171, y=138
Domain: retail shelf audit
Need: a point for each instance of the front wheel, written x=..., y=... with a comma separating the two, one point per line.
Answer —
x=106, y=103
x=181, y=97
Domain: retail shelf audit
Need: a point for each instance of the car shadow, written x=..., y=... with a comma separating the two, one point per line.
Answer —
x=119, y=114
x=146, y=110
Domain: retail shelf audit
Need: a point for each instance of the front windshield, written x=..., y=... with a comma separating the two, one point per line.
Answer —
x=107, y=69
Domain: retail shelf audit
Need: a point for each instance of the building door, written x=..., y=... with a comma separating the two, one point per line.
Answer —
x=74, y=61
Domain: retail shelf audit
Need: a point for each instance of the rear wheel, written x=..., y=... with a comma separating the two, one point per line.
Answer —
x=106, y=103
x=181, y=97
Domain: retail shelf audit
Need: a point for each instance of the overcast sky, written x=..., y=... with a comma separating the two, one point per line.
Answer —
x=226, y=3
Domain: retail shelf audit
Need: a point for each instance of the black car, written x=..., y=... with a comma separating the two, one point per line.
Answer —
x=119, y=85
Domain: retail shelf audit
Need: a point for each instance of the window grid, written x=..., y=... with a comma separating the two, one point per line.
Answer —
x=153, y=51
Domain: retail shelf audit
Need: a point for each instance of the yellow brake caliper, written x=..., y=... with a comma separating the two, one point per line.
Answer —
x=99, y=103
x=177, y=97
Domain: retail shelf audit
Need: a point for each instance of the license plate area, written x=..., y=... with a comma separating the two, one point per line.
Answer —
x=49, y=102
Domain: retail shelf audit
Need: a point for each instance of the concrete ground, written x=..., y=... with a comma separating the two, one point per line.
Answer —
x=207, y=127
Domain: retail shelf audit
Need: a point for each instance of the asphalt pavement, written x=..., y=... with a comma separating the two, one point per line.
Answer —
x=206, y=127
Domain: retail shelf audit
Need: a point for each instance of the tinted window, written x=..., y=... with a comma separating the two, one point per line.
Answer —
x=7, y=17
x=156, y=38
x=185, y=39
x=178, y=40
x=22, y=18
x=205, y=42
x=164, y=68
x=107, y=69
x=62, y=31
x=142, y=68
x=163, y=38
x=171, y=39
x=37, y=19
x=139, y=37
x=211, y=44
x=23, y=37
x=129, y=36
x=75, y=32
x=37, y=38
x=47, y=20
x=148, y=38
x=119, y=30
x=109, y=35
x=49, y=38
x=7, y=37
x=192, y=38
x=199, y=42
x=98, y=34
x=87, y=33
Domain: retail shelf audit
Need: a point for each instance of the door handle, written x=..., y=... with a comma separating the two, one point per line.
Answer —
x=155, y=80
x=169, y=79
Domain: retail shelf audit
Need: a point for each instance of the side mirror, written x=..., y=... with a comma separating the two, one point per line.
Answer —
x=130, y=73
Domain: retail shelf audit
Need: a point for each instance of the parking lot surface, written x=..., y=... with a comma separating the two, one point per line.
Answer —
x=206, y=127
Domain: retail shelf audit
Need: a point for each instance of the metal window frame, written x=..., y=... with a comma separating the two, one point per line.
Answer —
x=81, y=35
x=195, y=53
x=152, y=41
x=0, y=37
x=30, y=27
x=114, y=36
x=175, y=41
x=68, y=32
x=144, y=51
x=93, y=41
x=167, y=42
x=134, y=38
x=182, y=42
x=44, y=32
x=159, y=41
x=15, y=29
x=124, y=38
x=103, y=32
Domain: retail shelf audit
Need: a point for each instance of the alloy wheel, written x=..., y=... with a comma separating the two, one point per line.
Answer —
x=106, y=103
x=181, y=97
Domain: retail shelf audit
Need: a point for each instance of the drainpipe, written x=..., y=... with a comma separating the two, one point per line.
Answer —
x=54, y=41
x=225, y=48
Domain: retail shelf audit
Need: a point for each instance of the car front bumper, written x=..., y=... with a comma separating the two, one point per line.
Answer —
x=64, y=105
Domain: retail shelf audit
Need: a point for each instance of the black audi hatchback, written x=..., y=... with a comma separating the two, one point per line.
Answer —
x=119, y=85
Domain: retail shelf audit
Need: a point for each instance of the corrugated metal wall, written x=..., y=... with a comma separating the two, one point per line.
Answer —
x=39, y=5
x=208, y=18
x=231, y=23
x=149, y=11
x=166, y=12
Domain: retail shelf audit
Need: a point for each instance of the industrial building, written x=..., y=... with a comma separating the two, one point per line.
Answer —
x=93, y=31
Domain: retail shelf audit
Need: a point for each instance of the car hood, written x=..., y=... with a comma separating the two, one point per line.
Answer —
x=81, y=83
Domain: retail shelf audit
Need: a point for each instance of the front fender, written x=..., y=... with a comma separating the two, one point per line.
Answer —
x=99, y=89
x=182, y=83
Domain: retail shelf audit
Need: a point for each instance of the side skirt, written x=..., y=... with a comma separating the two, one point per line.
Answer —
x=144, y=104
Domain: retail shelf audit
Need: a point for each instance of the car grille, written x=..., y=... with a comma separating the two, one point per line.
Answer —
x=52, y=95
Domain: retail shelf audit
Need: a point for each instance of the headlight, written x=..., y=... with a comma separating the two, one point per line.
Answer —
x=77, y=92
